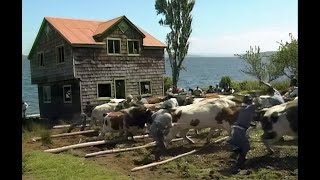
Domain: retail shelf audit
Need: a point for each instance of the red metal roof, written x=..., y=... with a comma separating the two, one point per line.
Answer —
x=78, y=31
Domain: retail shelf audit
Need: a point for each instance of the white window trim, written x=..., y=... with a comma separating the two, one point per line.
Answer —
x=39, y=64
x=143, y=95
x=57, y=54
x=104, y=82
x=119, y=39
x=138, y=47
x=43, y=89
x=64, y=93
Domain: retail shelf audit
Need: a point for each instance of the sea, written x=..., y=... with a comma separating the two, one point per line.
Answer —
x=199, y=71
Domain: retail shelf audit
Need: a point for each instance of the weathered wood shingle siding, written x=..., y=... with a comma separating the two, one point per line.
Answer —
x=101, y=67
x=57, y=108
x=52, y=71
x=94, y=64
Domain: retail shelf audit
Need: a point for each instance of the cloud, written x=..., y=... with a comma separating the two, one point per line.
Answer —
x=239, y=42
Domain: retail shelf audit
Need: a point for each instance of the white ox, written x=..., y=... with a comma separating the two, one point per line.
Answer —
x=210, y=113
x=278, y=121
x=98, y=112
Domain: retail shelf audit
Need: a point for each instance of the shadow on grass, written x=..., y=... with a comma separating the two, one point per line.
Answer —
x=267, y=161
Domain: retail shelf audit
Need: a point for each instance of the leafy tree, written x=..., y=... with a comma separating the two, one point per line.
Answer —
x=286, y=59
x=177, y=16
x=259, y=66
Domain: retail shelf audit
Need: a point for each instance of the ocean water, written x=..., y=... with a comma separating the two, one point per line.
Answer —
x=205, y=71
x=200, y=71
x=29, y=91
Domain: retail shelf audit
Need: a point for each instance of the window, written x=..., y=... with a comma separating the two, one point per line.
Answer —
x=145, y=88
x=60, y=54
x=46, y=94
x=67, y=96
x=114, y=46
x=133, y=47
x=40, y=59
x=104, y=90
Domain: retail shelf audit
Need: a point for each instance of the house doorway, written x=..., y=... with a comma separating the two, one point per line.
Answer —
x=120, y=88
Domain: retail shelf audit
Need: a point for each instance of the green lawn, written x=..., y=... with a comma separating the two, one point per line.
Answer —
x=40, y=165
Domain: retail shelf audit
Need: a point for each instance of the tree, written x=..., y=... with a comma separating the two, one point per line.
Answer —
x=258, y=65
x=177, y=16
x=286, y=59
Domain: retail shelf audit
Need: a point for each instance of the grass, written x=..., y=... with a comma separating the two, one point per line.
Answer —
x=63, y=166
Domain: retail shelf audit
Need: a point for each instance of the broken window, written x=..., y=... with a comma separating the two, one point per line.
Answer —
x=133, y=47
x=46, y=94
x=113, y=46
x=104, y=90
x=67, y=96
x=145, y=88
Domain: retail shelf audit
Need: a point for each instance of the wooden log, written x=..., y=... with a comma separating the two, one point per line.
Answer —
x=66, y=126
x=165, y=161
x=66, y=134
x=95, y=143
x=171, y=159
x=120, y=150
x=126, y=149
x=221, y=139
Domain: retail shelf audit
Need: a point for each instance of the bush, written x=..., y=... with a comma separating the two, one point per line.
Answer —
x=167, y=83
x=254, y=85
x=46, y=137
x=225, y=81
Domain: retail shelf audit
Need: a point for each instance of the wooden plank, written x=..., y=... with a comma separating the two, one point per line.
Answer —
x=163, y=162
x=67, y=125
x=66, y=134
x=126, y=149
x=95, y=143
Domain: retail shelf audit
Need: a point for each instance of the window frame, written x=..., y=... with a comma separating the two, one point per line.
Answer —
x=114, y=39
x=58, y=54
x=148, y=94
x=43, y=90
x=139, y=49
x=39, y=61
x=111, y=90
x=63, y=91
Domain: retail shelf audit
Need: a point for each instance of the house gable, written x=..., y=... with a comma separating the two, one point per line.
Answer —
x=123, y=23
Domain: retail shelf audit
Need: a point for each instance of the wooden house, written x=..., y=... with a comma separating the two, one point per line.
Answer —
x=77, y=61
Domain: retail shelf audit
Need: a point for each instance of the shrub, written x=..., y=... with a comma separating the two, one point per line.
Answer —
x=167, y=83
x=225, y=81
x=46, y=137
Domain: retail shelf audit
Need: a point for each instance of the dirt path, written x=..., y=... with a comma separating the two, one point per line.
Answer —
x=212, y=162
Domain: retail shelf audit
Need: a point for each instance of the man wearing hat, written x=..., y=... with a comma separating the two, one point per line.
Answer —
x=239, y=136
x=162, y=122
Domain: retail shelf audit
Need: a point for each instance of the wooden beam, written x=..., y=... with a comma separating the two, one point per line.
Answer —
x=66, y=126
x=173, y=158
x=126, y=149
x=165, y=161
x=95, y=143
x=66, y=134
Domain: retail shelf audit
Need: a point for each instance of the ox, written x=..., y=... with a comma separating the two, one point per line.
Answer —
x=278, y=121
x=127, y=121
x=211, y=113
x=99, y=111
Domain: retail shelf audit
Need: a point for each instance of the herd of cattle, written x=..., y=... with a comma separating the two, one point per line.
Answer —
x=216, y=112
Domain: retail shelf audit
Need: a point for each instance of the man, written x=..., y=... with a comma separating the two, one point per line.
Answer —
x=24, y=109
x=162, y=122
x=239, y=136
x=292, y=91
x=276, y=97
x=83, y=118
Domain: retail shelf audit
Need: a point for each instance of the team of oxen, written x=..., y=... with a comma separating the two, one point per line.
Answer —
x=217, y=112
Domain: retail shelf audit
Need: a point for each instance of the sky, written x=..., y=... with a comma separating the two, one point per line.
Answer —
x=219, y=27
